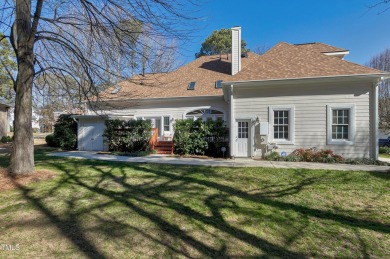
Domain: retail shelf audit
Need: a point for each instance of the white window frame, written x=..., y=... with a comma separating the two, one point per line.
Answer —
x=351, y=128
x=291, y=124
x=169, y=123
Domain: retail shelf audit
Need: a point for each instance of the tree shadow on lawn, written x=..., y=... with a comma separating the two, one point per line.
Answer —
x=115, y=183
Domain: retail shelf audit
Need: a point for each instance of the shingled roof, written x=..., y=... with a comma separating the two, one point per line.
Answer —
x=283, y=61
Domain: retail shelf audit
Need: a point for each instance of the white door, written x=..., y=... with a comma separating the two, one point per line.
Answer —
x=92, y=136
x=242, y=146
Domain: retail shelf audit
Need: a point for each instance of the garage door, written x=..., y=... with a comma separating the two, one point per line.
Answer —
x=91, y=135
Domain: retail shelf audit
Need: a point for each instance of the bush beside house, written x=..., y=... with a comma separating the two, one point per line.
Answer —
x=319, y=156
x=65, y=133
x=200, y=137
x=127, y=136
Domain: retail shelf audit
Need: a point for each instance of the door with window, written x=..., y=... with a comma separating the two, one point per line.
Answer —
x=242, y=140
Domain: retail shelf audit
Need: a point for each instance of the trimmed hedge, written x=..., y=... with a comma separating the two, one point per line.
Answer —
x=50, y=141
x=200, y=137
x=127, y=136
x=65, y=132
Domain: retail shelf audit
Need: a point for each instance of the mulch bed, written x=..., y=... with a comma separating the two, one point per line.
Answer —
x=9, y=182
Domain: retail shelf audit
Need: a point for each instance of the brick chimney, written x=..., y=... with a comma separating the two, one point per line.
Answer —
x=236, y=49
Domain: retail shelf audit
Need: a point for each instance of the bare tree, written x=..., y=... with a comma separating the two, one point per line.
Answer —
x=382, y=62
x=78, y=39
x=381, y=5
x=260, y=50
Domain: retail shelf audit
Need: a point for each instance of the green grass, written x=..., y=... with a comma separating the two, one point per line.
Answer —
x=384, y=155
x=102, y=209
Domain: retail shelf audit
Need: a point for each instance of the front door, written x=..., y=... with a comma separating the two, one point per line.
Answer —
x=242, y=146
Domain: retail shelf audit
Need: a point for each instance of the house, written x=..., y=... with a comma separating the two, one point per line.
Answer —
x=293, y=96
x=4, y=126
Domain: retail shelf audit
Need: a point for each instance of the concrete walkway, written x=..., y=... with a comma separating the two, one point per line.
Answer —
x=238, y=162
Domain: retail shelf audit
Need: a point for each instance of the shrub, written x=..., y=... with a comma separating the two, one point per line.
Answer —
x=314, y=155
x=6, y=139
x=273, y=156
x=65, y=132
x=50, y=141
x=384, y=150
x=200, y=137
x=128, y=136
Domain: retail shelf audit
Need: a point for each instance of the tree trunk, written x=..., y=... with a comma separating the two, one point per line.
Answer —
x=22, y=156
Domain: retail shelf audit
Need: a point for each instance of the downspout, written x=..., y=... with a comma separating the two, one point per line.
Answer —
x=375, y=120
x=232, y=123
x=78, y=132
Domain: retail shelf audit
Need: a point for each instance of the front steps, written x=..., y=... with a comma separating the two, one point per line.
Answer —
x=164, y=147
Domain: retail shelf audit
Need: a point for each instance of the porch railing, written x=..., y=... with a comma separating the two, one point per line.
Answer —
x=154, y=139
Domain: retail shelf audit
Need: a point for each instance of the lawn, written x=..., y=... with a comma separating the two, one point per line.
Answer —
x=99, y=209
x=384, y=155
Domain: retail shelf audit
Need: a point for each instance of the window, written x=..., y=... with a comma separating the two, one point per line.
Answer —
x=218, y=84
x=281, y=120
x=205, y=114
x=243, y=127
x=191, y=86
x=341, y=128
x=340, y=124
x=281, y=124
x=166, y=124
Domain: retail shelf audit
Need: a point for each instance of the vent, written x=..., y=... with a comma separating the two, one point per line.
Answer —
x=218, y=84
x=191, y=86
x=244, y=54
x=116, y=89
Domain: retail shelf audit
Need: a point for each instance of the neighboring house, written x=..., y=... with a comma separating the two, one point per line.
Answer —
x=293, y=96
x=4, y=125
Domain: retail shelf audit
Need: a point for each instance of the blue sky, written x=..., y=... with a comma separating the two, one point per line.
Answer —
x=347, y=24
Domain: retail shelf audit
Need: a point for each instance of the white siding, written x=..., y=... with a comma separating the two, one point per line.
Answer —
x=175, y=108
x=236, y=50
x=310, y=104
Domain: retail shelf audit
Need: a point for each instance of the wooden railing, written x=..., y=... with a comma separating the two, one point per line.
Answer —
x=154, y=139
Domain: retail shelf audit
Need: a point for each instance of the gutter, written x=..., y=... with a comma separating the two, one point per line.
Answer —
x=314, y=79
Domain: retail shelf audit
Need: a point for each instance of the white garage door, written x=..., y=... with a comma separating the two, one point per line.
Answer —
x=91, y=135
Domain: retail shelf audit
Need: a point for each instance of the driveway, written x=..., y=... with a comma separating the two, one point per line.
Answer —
x=238, y=162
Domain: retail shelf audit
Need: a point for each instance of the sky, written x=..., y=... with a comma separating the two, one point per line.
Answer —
x=348, y=24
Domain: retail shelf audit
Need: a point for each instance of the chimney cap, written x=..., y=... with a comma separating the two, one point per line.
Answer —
x=236, y=27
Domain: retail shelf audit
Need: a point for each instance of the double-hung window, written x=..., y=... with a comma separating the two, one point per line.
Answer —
x=341, y=124
x=166, y=124
x=281, y=124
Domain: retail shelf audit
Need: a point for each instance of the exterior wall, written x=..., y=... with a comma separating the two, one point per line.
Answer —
x=310, y=108
x=175, y=108
x=3, y=121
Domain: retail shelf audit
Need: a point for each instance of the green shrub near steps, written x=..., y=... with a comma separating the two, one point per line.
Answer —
x=127, y=136
x=200, y=137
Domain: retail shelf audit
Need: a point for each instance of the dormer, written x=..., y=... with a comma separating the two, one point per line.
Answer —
x=339, y=54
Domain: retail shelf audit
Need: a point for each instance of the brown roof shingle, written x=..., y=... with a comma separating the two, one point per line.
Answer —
x=283, y=61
